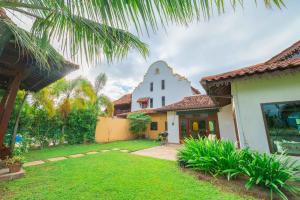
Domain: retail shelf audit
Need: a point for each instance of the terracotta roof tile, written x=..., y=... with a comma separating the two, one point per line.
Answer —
x=287, y=53
x=190, y=103
x=125, y=99
x=281, y=61
x=143, y=99
x=255, y=69
x=195, y=91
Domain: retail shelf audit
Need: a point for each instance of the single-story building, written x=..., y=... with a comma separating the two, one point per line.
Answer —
x=198, y=115
x=265, y=102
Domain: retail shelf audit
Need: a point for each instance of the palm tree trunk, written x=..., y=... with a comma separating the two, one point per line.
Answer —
x=16, y=126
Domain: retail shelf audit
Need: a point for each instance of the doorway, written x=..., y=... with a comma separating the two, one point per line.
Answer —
x=201, y=125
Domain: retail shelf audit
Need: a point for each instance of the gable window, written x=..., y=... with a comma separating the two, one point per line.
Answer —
x=282, y=122
x=163, y=101
x=151, y=86
x=153, y=126
x=151, y=103
x=156, y=71
x=162, y=84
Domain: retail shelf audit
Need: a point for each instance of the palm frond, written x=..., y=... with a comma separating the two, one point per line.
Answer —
x=94, y=27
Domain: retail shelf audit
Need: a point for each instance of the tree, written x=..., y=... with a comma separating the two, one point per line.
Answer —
x=100, y=27
x=138, y=123
x=102, y=100
x=77, y=93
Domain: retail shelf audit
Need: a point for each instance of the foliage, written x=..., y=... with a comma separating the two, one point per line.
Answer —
x=81, y=125
x=138, y=122
x=95, y=28
x=277, y=173
x=212, y=156
x=13, y=160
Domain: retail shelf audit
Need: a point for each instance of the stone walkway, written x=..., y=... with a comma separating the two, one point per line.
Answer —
x=40, y=162
x=166, y=152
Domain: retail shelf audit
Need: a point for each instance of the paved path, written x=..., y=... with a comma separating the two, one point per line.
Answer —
x=40, y=162
x=166, y=152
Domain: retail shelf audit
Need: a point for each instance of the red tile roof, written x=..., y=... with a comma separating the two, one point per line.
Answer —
x=125, y=99
x=191, y=103
x=279, y=62
x=146, y=111
x=195, y=91
x=143, y=99
x=287, y=53
x=255, y=69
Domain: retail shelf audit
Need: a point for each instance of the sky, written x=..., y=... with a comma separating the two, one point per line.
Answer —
x=229, y=41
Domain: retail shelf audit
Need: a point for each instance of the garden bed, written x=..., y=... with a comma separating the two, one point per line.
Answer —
x=236, y=186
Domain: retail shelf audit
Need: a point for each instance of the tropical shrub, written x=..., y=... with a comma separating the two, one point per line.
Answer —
x=216, y=157
x=220, y=158
x=81, y=126
x=138, y=123
x=277, y=173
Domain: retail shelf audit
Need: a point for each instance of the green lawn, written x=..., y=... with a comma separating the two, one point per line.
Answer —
x=110, y=175
x=131, y=145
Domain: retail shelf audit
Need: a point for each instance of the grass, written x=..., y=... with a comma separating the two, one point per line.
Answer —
x=50, y=152
x=111, y=175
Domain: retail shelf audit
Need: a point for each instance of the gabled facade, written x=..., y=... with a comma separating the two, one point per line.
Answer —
x=160, y=87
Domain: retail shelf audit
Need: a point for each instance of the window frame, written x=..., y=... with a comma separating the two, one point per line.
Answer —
x=156, y=126
x=151, y=87
x=151, y=102
x=163, y=101
x=267, y=129
x=163, y=84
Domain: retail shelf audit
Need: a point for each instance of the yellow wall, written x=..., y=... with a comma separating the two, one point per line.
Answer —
x=112, y=129
x=160, y=118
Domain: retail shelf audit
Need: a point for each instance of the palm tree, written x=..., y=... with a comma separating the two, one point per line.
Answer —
x=102, y=100
x=77, y=93
x=99, y=28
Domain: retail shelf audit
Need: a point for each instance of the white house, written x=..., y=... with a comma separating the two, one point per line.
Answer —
x=160, y=87
x=264, y=100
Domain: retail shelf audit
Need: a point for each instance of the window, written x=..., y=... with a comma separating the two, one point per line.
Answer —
x=156, y=71
x=162, y=84
x=151, y=86
x=282, y=121
x=163, y=101
x=153, y=126
x=144, y=105
x=151, y=103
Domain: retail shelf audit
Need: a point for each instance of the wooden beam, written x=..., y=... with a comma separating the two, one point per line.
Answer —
x=8, y=72
x=8, y=107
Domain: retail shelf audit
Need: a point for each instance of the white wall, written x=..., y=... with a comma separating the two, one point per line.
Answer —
x=247, y=98
x=173, y=127
x=226, y=123
x=176, y=87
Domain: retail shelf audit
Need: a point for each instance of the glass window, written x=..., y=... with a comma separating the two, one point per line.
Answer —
x=151, y=103
x=153, y=126
x=282, y=121
x=162, y=84
x=163, y=101
x=151, y=86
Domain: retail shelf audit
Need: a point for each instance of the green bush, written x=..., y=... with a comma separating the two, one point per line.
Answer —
x=81, y=126
x=278, y=173
x=138, y=123
x=212, y=156
x=220, y=158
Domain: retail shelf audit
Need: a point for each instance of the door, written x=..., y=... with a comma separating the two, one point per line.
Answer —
x=212, y=126
x=183, y=129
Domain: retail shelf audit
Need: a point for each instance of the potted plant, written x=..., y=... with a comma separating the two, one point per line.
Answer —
x=14, y=163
